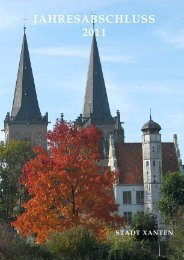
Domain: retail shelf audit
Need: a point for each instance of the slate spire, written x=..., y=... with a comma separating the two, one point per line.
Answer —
x=96, y=102
x=25, y=103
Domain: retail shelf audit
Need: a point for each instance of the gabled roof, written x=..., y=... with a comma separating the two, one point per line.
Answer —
x=25, y=103
x=96, y=101
x=129, y=158
x=130, y=163
x=170, y=160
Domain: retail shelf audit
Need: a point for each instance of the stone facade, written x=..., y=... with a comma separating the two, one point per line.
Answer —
x=35, y=134
x=152, y=169
x=133, y=205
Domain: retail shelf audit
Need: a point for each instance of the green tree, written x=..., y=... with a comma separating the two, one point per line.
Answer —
x=171, y=203
x=12, y=159
x=124, y=247
x=176, y=243
x=146, y=223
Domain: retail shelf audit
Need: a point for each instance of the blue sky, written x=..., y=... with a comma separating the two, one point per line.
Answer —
x=143, y=64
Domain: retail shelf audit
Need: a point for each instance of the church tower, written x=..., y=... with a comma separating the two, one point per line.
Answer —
x=96, y=108
x=152, y=165
x=25, y=122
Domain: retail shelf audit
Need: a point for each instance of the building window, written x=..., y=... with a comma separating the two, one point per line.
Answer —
x=159, y=167
x=140, y=197
x=153, y=163
x=127, y=197
x=153, y=148
x=147, y=163
x=128, y=217
x=26, y=139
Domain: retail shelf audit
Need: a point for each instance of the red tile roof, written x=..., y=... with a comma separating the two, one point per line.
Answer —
x=169, y=160
x=129, y=157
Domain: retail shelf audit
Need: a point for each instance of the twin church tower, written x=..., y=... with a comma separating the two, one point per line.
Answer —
x=26, y=122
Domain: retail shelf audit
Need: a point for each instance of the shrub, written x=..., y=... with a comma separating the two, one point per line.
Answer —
x=127, y=248
x=75, y=243
x=13, y=247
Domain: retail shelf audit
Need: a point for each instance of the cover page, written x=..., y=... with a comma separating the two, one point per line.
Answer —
x=92, y=123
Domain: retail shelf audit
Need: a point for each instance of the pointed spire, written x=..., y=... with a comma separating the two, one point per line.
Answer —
x=24, y=29
x=150, y=114
x=62, y=118
x=25, y=103
x=94, y=26
x=96, y=101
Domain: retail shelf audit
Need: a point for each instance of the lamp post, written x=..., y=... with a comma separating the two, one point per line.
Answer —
x=158, y=239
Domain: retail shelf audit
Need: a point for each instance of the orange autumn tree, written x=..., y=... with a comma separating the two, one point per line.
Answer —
x=67, y=186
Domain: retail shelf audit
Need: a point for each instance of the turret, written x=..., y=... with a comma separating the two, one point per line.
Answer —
x=152, y=165
x=118, y=129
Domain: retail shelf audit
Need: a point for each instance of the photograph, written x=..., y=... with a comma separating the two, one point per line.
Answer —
x=92, y=130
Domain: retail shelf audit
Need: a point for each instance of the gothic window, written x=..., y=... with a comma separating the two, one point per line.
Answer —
x=140, y=197
x=26, y=139
x=127, y=198
x=159, y=167
x=128, y=217
x=148, y=187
